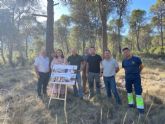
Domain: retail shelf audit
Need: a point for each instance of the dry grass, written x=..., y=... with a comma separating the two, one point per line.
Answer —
x=24, y=108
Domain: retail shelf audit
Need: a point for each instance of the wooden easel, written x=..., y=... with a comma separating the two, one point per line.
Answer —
x=62, y=75
x=58, y=94
x=60, y=98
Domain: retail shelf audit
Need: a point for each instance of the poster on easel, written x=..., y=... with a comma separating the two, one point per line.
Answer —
x=63, y=74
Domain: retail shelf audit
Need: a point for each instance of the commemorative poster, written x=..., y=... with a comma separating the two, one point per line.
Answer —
x=63, y=74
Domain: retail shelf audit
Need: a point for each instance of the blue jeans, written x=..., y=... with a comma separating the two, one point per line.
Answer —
x=78, y=91
x=110, y=85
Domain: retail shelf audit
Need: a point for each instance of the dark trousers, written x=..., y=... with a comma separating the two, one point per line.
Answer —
x=42, y=83
x=94, y=77
x=110, y=85
x=136, y=82
x=78, y=91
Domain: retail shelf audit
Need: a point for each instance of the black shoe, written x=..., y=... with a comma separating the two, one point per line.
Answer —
x=109, y=96
x=81, y=97
x=141, y=111
x=131, y=105
x=119, y=103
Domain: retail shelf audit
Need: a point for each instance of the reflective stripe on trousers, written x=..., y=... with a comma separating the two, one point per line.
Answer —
x=130, y=98
x=139, y=102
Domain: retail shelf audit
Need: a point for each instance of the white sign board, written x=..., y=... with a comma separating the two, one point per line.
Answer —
x=63, y=74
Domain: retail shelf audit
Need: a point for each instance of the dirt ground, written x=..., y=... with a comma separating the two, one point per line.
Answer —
x=19, y=105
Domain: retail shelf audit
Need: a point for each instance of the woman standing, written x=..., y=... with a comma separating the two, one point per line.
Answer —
x=58, y=59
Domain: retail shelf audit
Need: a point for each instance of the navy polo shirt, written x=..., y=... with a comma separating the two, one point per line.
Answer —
x=132, y=66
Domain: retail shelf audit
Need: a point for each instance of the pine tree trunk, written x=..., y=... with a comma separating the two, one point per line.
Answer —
x=84, y=45
x=67, y=44
x=119, y=33
x=161, y=34
x=104, y=32
x=103, y=14
x=137, y=39
x=26, y=47
x=2, y=53
x=49, y=29
x=119, y=41
x=10, y=47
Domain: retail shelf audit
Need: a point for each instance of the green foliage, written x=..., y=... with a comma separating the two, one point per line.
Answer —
x=38, y=45
x=61, y=32
x=82, y=28
x=156, y=50
x=137, y=18
x=32, y=55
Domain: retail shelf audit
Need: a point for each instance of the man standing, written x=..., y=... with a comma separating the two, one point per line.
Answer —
x=133, y=66
x=84, y=77
x=42, y=70
x=77, y=60
x=93, y=71
x=109, y=68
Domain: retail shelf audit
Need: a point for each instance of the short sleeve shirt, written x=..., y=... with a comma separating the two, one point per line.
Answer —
x=75, y=60
x=57, y=61
x=132, y=66
x=42, y=63
x=94, y=63
x=109, y=67
x=85, y=57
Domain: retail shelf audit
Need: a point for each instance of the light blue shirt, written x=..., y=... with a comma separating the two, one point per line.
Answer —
x=42, y=63
x=109, y=67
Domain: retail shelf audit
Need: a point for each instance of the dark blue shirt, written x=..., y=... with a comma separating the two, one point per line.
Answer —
x=132, y=66
x=85, y=57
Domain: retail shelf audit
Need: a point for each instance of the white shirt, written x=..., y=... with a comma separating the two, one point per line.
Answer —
x=42, y=64
x=109, y=67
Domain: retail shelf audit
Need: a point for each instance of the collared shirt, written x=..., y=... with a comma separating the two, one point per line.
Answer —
x=109, y=67
x=132, y=66
x=42, y=64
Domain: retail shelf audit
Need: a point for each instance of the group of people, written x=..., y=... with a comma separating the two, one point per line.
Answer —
x=90, y=67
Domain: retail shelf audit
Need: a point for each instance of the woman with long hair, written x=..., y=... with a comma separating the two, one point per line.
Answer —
x=58, y=59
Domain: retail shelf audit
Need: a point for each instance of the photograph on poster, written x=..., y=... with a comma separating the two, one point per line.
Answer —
x=63, y=74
